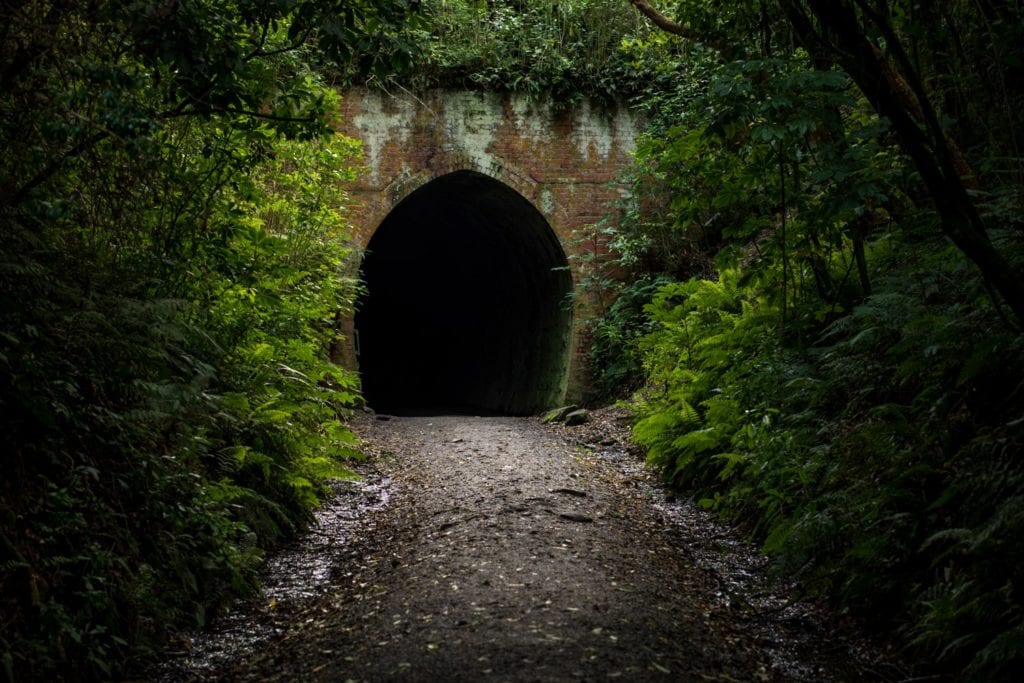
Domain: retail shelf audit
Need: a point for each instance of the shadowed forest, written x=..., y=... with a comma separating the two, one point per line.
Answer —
x=812, y=306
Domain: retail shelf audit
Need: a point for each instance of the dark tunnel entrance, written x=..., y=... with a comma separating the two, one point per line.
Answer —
x=466, y=308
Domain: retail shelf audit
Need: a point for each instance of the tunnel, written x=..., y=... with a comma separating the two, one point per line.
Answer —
x=465, y=307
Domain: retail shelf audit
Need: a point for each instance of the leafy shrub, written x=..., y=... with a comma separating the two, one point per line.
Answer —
x=170, y=273
x=614, y=355
x=156, y=444
x=842, y=385
x=564, y=50
x=876, y=466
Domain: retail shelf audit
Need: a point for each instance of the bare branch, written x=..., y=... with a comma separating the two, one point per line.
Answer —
x=51, y=168
x=663, y=22
x=671, y=26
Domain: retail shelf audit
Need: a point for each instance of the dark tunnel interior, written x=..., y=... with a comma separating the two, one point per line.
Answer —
x=466, y=304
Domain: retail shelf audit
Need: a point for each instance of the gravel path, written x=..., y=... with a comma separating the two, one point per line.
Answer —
x=508, y=553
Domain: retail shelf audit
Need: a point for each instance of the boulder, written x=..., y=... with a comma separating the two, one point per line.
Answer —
x=558, y=414
x=577, y=417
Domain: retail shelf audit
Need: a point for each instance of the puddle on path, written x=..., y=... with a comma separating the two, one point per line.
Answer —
x=292, y=578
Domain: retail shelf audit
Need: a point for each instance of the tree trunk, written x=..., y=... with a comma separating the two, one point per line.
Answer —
x=858, y=232
x=842, y=39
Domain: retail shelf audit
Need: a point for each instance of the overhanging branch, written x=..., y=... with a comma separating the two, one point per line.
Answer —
x=671, y=26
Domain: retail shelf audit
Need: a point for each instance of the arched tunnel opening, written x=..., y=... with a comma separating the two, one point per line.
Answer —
x=465, y=308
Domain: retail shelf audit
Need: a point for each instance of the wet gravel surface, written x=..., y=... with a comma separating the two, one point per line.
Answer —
x=294, y=579
x=503, y=549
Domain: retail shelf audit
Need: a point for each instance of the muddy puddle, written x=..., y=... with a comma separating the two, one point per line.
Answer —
x=293, y=578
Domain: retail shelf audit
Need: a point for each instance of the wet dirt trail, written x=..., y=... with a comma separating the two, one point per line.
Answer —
x=507, y=552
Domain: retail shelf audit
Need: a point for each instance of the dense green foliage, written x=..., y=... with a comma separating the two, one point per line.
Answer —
x=561, y=51
x=822, y=323
x=844, y=382
x=170, y=272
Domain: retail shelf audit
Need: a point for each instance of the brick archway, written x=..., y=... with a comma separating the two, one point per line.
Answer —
x=563, y=161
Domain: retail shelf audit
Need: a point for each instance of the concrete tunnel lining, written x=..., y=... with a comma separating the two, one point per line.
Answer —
x=466, y=304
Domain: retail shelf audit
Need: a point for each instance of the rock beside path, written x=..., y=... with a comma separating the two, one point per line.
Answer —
x=577, y=417
x=558, y=414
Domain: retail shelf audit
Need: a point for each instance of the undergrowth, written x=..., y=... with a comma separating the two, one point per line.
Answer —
x=171, y=272
x=560, y=51
x=843, y=383
x=878, y=465
x=159, y=434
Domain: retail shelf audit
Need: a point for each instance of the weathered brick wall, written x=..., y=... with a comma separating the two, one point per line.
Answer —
x=564, y=162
